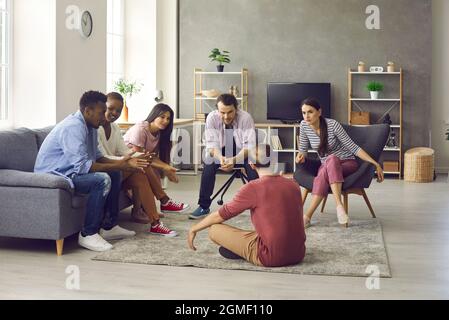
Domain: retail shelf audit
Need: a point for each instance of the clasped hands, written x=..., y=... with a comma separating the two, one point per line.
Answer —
x=227, y=164
x=131, y=162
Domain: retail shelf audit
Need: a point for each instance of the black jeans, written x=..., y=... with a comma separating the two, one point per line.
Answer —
x=208, y=179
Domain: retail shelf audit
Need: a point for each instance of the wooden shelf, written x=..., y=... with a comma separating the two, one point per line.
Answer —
x=397, y=105
x=368, y=99
x=213, y=99
x=376, y=73
x=199, y=77
x=285, y=150
x=218, y=73
x=397, y=126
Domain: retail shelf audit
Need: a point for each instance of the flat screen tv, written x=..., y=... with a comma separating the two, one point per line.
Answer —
x=284, y=99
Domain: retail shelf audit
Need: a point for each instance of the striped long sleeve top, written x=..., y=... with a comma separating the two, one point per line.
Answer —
x=339, y=143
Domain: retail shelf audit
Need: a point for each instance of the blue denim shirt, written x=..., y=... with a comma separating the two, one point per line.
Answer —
x=70, y=148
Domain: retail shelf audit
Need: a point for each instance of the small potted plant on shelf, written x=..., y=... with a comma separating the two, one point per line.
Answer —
x=127, y=89
x=374, y=88
x=220, y=57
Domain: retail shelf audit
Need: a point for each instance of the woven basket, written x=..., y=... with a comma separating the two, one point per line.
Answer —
x=419, y=165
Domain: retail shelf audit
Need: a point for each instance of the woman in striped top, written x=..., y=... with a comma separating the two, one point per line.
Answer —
x=337, y=154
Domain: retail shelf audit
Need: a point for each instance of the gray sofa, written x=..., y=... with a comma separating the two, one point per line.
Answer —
x=36, y=206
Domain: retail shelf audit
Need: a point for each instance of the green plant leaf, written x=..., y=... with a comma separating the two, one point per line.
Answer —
x=218, y=56
x=375, y=86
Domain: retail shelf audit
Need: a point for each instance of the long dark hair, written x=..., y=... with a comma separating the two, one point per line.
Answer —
x=323, y=148
x=165, y=143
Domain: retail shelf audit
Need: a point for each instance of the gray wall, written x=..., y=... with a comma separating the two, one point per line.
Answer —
x=311, y=41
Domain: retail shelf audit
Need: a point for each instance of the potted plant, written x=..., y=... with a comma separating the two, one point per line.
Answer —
x=220, y=57
x=127, y=89
x=374, y=88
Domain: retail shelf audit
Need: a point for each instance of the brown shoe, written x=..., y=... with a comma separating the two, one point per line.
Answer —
x=140, y=217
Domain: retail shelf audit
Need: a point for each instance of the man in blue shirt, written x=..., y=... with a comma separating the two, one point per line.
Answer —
x=71, y=150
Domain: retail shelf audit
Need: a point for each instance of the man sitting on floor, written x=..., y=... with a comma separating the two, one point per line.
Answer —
x=276, y=213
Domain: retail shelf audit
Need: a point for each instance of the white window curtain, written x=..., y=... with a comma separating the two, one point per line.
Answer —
x=115, y=42
x=5, y=40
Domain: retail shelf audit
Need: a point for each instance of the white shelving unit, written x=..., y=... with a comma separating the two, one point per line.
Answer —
x=396, y=153
x=199, y=78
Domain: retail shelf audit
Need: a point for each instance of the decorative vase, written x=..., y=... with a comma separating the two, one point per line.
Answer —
x=374, y=95
x=220, y=68
x=124, y=116
x=390, y=67
x=361, y=67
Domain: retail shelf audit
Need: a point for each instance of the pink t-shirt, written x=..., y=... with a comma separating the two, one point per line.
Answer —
x=139, y=136
x=276, y=213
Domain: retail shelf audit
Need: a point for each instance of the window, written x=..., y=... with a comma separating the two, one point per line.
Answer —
x=116, y=42
x=5, y=28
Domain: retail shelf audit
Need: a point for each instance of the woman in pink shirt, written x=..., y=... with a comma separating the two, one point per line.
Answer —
x=153, y=136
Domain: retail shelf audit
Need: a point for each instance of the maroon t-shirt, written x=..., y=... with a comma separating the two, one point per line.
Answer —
x=276, y=213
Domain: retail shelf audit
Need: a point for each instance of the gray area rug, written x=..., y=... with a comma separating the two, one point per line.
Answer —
x=331, y=249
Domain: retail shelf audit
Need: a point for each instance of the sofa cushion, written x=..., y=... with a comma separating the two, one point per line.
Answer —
x=14, y=178
x=41, y=134
x=18, y=149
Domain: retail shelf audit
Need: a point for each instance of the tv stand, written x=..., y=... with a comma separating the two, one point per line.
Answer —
x=291, y=122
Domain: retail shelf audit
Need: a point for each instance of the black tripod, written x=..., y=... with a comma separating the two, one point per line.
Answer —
x=238, y=173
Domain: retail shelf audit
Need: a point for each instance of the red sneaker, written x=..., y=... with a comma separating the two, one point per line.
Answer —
x=173, y=206
x=162, y=230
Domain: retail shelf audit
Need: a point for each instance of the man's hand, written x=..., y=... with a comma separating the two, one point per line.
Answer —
x=300, y=159
x=380, y=173
x=148, y=156
x=227, y=164
x=170, y=172
x=191, y=239
x=133, y=164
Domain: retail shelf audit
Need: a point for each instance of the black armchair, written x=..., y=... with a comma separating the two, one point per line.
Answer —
x=372, y=139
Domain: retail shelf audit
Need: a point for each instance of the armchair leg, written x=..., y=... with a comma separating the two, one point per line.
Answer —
x=59, y=247
x=368, y=203
x=304, y=195
x=324, y=204
x=346, y=202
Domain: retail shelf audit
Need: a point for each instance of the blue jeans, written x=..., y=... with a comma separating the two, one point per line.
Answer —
x=103, y=191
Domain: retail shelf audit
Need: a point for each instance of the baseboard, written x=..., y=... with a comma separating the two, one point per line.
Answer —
x=442, y=170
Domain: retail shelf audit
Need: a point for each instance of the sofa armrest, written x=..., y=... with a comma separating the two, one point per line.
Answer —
x=14, y=178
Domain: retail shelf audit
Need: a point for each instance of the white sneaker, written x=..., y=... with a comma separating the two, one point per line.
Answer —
x=342, y=216
x=94, y=243
x=116, y=233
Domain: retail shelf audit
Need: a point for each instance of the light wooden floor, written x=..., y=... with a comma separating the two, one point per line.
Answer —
x=415, y=219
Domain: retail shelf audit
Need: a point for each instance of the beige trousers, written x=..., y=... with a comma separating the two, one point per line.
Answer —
x=241, y=242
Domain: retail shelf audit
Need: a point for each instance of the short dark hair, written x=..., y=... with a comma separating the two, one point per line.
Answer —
x=228, y=100
x=91, y=98
x=115, y=96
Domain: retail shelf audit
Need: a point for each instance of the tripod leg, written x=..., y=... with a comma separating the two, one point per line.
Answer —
x=225, y=190
x=223, y=187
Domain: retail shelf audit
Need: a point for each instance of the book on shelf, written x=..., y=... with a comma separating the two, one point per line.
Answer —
x=276, y=142
x=200, y=116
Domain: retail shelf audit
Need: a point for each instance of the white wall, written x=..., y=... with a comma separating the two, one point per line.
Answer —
x=52, y=65
x=167, y=51
x=81, y=63
x=34, y=63
x=440, y=80
x=140, y=56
